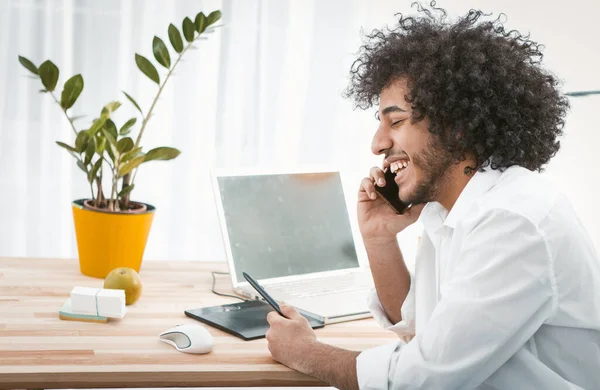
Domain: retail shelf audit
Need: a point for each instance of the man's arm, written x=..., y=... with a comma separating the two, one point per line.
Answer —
x=500, y=294
x=293, y=343
x=332, y=365
x=391, y=277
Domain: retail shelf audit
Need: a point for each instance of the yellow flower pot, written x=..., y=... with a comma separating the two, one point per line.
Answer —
x=107, y=240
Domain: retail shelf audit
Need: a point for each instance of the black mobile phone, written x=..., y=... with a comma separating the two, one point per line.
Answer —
x=389, y=193
x=263, y=293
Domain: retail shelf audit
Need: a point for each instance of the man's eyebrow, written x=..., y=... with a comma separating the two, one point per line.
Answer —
x=388, y=110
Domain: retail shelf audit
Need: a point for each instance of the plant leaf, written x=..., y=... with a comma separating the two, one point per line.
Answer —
x=97, y=124
x=48, y=72
x=109, y=108
x=110, y=153
x=147, y=68
x=81, y=141
x=112, y=142
x=200, y=22
x=100, y=144
x=28, y=65
x=213, y=17
x=126, y=190
x=188, y=29
x=131, y=154
x=81, y=166
x=161, y=53
x=162, y=153
x=76, y=117
x=125, y=129
x=124, y=145
x=175, y=38
x=94, y=171
x=68, y=147
x=90, y=150
x=132, y=100
x=130, y=165
x=110, y=126
x=71, y=91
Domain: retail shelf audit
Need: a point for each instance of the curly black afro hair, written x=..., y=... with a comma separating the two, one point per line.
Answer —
x=481, y=88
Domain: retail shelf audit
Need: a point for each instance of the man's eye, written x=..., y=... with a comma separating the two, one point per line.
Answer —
x=397, y=122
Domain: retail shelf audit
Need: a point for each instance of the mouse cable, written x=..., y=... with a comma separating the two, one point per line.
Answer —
x=221, y=294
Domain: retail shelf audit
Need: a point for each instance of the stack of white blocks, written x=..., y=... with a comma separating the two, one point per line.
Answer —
x=98, y=302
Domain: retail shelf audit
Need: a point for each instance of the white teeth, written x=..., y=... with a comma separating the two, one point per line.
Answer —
x=398, y=165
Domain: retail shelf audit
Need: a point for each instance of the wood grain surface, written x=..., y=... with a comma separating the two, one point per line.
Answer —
x=38, y=350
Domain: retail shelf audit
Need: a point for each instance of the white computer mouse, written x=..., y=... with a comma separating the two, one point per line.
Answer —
x=189, y=338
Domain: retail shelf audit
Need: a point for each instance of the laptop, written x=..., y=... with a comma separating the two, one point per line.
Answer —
x=292, y=233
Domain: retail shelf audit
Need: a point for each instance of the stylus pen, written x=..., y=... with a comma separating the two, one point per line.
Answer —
x=263, y=293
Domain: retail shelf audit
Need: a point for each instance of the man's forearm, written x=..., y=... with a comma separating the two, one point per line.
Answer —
x=390, y=275
x=330, y=364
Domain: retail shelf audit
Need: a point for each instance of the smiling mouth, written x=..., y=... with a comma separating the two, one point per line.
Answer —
x=399, y=166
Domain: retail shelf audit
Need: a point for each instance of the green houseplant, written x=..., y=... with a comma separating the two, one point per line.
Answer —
x=111, y=229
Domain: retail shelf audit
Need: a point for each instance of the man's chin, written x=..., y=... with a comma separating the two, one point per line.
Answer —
x=411, y=198
x=405, y=198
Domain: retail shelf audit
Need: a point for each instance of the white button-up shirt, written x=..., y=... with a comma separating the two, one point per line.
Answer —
x=505, y=295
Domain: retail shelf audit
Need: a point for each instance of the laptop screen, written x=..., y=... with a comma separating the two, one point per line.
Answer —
x=287, y=224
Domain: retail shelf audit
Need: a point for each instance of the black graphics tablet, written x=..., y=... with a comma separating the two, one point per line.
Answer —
x=246, y=320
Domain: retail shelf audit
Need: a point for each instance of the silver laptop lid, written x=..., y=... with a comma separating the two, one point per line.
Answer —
x=284, y=226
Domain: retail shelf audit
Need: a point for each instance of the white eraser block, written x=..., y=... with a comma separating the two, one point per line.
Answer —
x=111, y=303
x=98, y=301
x=83, y=300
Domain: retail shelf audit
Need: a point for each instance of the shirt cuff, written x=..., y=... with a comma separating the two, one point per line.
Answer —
x=406, y=327
x=373, y=365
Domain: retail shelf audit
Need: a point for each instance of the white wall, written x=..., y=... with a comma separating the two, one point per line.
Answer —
x=269, y=94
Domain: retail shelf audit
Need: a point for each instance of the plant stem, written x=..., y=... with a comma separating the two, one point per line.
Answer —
x=115, y=189
x=126, y=196
x=100, y=198
x=134, y=174
x=147, y=118
x=99, y=185
x=111, y=202
x=126, y=178
x=67, y=115
x=93, y=197
x=86, y=172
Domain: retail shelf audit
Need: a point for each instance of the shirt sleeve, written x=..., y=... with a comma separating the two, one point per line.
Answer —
x=406, y=327
x=497, y=295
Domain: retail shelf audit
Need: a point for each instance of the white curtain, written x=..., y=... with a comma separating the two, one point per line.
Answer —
x=264, y=91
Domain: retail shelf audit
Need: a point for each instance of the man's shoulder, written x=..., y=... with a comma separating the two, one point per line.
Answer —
x=521, y=193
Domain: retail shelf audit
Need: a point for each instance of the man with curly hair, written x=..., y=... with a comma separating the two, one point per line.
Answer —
x=505, y=293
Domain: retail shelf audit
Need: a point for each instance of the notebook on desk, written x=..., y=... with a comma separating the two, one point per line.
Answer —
x=292, y=232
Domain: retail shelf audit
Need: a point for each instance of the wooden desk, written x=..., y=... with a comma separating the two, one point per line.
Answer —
x=38, y=350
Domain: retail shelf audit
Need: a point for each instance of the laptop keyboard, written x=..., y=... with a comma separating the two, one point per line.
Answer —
x=321, y=285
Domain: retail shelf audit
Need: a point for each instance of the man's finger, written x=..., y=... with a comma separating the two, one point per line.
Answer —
x=377, y=176
x=367, y=187
x=289, y=311
x=273, y=317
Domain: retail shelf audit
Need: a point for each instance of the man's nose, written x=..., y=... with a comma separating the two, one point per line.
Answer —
x=381, y=142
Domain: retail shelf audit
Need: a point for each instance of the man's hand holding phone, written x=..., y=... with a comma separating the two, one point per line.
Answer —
x=377, y=219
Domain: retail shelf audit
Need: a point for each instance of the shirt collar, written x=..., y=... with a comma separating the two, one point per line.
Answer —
x=434, y=215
